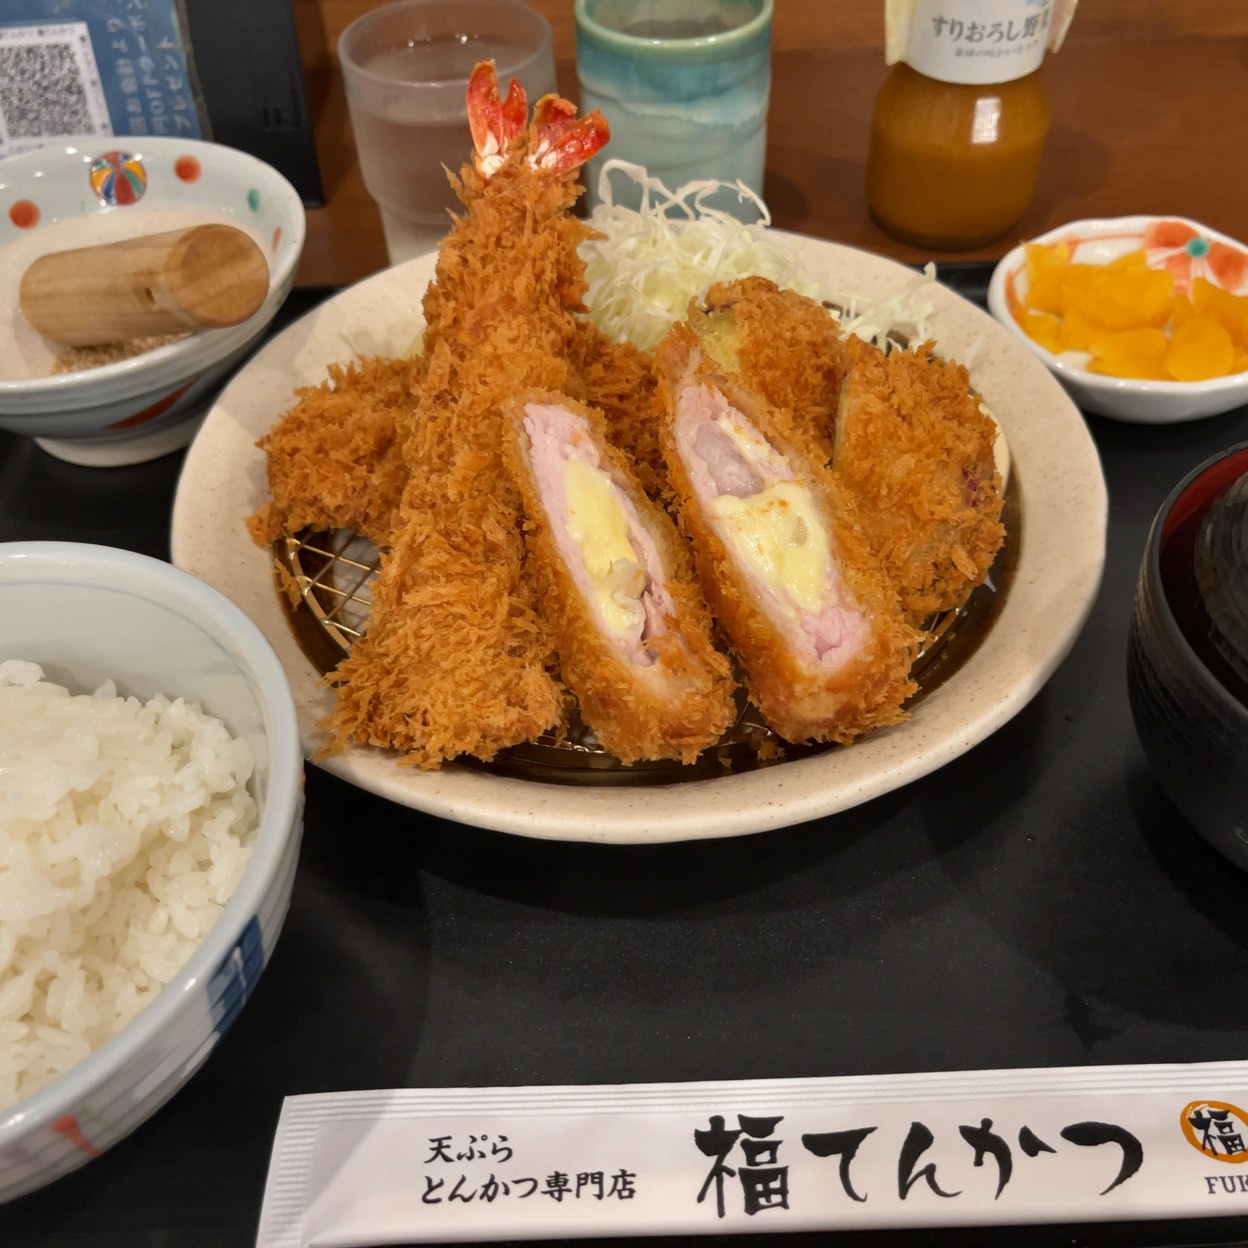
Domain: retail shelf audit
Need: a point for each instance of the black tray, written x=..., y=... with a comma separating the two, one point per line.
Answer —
x=1035, y=903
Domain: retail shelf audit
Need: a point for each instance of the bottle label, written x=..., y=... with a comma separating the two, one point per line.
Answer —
x=975, y=41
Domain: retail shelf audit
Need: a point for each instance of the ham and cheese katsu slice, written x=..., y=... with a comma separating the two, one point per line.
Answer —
x=904, y=433
x=631, y=629
x=814, y=622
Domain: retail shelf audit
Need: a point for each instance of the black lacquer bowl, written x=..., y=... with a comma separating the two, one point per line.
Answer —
x=1187, y=659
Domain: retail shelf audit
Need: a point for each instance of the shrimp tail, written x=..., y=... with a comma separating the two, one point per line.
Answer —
x=560, y=141
x=563, y=140
x=494, y=121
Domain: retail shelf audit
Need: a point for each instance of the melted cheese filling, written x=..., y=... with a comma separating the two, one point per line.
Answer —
x=598, y=524
x=780, y=539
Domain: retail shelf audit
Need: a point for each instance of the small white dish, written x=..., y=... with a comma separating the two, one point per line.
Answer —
x=1050, y=594
x=1097, y=241
x=82, y=192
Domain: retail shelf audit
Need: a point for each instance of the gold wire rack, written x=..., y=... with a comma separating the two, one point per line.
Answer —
x=327, y=576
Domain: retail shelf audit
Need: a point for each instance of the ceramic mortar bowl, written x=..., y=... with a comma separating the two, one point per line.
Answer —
x=1187, y=655
x=105, y=189
x=87, y=614
x=1190, y=249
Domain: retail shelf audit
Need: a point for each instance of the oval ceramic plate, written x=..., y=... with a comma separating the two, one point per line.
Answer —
x=1060, y=561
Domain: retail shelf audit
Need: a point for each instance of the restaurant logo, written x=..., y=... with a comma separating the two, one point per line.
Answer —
x=1217, y=1129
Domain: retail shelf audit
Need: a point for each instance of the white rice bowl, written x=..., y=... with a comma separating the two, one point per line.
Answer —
x=150, y=820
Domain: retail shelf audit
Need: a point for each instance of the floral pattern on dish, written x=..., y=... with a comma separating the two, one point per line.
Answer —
x=1188, y=254
x=1167, y=243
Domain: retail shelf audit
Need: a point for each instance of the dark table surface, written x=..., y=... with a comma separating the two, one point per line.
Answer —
x=1037, y=902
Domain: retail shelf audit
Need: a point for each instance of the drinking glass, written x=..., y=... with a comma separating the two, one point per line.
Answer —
x=406, y=67
x=684, y=86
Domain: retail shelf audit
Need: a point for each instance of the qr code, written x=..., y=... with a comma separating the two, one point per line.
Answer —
x=49, y=86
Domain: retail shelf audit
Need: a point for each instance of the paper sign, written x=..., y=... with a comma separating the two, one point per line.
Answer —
x=925, y=1150
x=77, y=67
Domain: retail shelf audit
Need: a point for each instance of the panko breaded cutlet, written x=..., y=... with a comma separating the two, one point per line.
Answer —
x=784, y=346
x=335, y=460
x=617, y=378
x=915, y=449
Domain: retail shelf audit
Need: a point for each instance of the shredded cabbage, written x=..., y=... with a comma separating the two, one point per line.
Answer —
x=654, y=259
x=898, y=316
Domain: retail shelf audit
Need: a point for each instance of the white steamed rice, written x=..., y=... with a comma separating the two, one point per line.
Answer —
x=124, y=829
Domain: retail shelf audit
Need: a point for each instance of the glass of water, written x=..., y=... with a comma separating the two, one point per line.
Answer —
x=406, y=67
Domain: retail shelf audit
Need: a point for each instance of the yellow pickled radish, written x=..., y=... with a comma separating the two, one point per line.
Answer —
x=1200, y=348
x=1077, y=333
x=1129, y=260
x=1044, y=266
x=1136, y=353
x=1042, y=327
x=1231, y=311
x=1145, y=297
x=1119, y=298
x=1180, y=310
x=1126, y=315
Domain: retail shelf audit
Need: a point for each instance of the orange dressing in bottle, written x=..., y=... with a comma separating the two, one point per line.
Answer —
x=960, y=123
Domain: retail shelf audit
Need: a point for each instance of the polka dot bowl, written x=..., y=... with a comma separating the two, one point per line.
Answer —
x=86, y=191
x=1189, y=250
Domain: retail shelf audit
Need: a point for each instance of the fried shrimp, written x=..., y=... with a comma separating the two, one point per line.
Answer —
x=814, y=622
x=630, y=626
x=457, y=659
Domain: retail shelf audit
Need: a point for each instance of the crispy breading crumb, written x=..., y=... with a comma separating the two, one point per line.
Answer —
x=915, y=449
x=334, y=459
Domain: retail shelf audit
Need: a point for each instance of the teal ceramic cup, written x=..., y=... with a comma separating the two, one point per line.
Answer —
x=684, y=86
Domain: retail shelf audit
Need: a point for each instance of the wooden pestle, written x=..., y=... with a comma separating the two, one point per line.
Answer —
x=205, y=277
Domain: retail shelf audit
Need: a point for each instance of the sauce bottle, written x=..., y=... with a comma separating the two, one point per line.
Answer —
x=960, y=123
